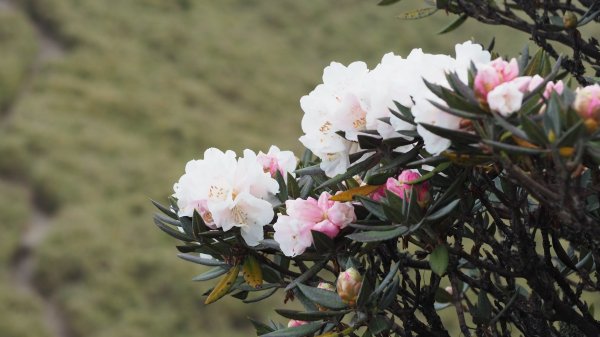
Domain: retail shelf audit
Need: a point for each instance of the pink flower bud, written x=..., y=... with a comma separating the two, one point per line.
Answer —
x=348, y=286
x=402, y=189
x=587, y=102
x=448, y=290
x=295, y=323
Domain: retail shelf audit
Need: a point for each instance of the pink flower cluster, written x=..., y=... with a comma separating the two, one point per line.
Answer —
x=401, y=188
x=293, y=231
x=498, y=85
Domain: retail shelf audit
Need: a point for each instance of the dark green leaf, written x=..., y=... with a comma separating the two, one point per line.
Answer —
x=172, y=232
x=513, y=148
x=165, y=210
x=534, y=132
x=390, y=294
x=366, y=289
x=322, y=242
x=326, y=298
x=283, y=192
x=442, y=212
x=453, y=135
x=261, y=328
x=312, y=271
x=372, y=206
x=379, y=324
x=442, y=296
x=368, y=142
x=438, y=260
x=484, y=309
x=375, y=236
x=387, y=2
x=311, y=315
x=292, y=187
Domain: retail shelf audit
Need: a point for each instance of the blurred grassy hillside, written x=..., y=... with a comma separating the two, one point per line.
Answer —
x=103, y=103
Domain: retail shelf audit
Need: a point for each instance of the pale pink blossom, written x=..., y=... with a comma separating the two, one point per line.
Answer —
x=506, y=98
x=339, y=214
x=491, y=75
x=551, y=87
x=276, y=160
x=587, y=102
x=292, y=234
x=293, y=231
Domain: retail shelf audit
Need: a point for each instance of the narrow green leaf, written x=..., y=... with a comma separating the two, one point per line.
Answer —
x=312, y=271
x=372, y=206
x=442, y=212
x=260, y=327
x=375, y=236
x=172, y=232
x=455, y=24
x=513, y=148
x=453, y=135
x=387, y=2
x=418, y=13
x=261, y=297
x=310, y=315
x=211, y=274
x=165, y=210
x=326, y=298
x=430, y=174
x=200, y=260
x=292, y=187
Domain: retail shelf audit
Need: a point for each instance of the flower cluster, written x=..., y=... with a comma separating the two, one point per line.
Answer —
x=232, y=192
x=400, y=159
x=353, y=99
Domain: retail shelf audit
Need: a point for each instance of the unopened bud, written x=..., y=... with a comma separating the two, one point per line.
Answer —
x=348, y=286
x=570, y=20
x=590, y=125
x=448, y=290
x=587, y=103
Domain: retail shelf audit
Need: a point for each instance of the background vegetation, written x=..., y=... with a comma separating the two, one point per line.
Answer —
x=103, y=103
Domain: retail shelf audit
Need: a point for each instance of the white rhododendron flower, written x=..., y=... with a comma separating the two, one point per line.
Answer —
x=436, y=68
x=336, y=105
x=388, y=84
x=228, y=192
